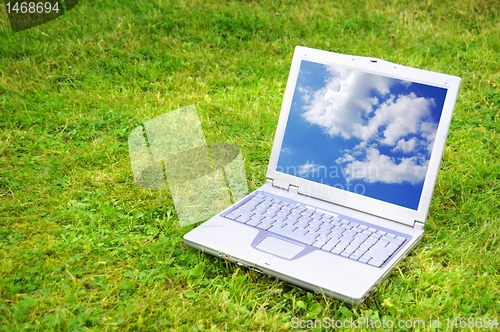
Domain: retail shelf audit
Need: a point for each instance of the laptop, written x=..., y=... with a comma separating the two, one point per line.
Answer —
x=350, y=178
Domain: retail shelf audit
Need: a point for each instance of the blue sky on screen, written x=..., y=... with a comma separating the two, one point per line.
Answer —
x=361, y=132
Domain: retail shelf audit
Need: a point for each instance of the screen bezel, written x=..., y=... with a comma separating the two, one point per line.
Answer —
x=351, y=199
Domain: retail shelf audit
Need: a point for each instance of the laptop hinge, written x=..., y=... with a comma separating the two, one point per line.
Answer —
x=279, y=184
x=418, y=225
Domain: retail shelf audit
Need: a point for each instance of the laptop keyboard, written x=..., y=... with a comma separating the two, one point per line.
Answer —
x=318, y=228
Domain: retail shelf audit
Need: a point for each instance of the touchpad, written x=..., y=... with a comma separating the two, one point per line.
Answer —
x=279, y=247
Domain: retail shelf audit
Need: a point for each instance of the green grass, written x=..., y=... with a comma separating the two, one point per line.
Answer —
x=83, y=248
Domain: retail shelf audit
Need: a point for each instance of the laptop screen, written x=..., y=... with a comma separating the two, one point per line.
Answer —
x=360, y=132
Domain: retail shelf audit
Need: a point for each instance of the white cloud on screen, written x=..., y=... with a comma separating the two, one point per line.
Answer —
x=370, y=169
x=309, y=169
x=339, y=106
x=406, y=146
x=345, y=107
x=400, y=116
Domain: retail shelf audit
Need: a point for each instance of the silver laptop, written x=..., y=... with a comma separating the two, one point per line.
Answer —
x=350, y=179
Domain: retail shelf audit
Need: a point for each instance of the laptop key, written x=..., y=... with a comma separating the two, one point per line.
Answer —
x=309, y=238
x=335, y=236
x=326, y=218
x=346, y=239
x=289, y=228
x=269, y=214
x=322, y=240
x=376, y=262
x=301, y=224
x=345, y=254
x=307, y=213
x=391, y=248
x=389, y=239
x=312, y=228
x=304, y=219
x=352, y=247
x=376, y=248
x=364, y=259
x=266, y=220
x=258, y=210
x=251, y=205
x=382, y=243
x=318, y=244
x=323, y=231
x=233, y=215
x=326, y=226
x=330, y=245
x=279, y=224
x=299, y=209
x=279, y=218
x=315, y=217
x=365, y=246
x=349, y=234
x=342, y=245
x=400, y=238
x=357, y=254
x=251, y=222
x=356, y=242
x=370, y=241
x=337, y=231
x=380, y=255
x=264, y=226
x=316, y=223
x=300, y=230
x=336, y=250
x=354, y=224
x=273, y=209
x=242, y=219
x=360, y=237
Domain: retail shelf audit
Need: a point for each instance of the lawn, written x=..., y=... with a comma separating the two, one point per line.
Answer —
x=82, y=247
